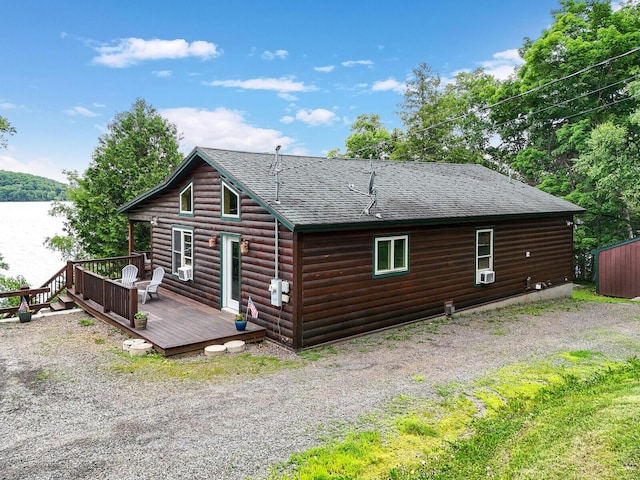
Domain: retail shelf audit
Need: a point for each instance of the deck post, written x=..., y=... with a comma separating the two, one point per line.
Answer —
x=131, y=238
x=69, y=275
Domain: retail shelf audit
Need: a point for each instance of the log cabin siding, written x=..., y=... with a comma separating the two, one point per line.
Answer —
x=257, y=266
x=333, y=291
x=340, y=296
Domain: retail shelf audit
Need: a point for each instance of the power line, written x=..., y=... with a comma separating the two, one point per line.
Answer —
x=519, y=95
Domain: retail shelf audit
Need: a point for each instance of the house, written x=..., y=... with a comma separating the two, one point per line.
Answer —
x=617, y=269
x=330, y=248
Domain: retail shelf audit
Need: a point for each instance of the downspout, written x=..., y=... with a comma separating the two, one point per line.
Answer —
x=276, y=252
x=277, y=246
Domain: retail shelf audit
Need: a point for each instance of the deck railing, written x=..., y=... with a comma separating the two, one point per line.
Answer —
x=65, y=278
x=110, y=294
x=30, y=295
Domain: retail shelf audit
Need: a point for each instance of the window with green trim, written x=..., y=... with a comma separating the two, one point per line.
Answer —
x=186, y=200
x=391, y=255
x=230, y=202
x=181, y=248
x=484, y=250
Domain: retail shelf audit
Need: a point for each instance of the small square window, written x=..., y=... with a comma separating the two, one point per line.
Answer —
x=186, y=200
x=391, y=255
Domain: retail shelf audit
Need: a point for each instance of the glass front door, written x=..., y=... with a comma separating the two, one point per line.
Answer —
x=231, y=273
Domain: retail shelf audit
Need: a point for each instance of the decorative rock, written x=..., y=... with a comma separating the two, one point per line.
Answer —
x=235, y=346
x=126, y=345
x=140, y=348
x=213, y=350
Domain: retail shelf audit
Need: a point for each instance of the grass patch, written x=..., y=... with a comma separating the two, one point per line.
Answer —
x=569, y=417
x=156, y=367
x=585, y=294
x=573, y=430
x=315, y=354
x=87, y=322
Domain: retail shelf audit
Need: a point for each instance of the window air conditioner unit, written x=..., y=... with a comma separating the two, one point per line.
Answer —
x=185, y=273
x=486, y=276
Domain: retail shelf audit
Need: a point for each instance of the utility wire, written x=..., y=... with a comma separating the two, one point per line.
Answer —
x=519, y=95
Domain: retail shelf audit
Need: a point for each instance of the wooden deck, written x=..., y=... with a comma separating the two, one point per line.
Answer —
x=177, y=325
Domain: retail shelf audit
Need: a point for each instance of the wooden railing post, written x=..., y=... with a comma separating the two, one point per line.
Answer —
x=69, y=282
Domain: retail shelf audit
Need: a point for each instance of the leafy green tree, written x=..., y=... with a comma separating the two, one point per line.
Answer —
x=5, y=130
x=370, y=140
x=139, y=150
x=8, y=284
x=565, y=119
x=446, y=123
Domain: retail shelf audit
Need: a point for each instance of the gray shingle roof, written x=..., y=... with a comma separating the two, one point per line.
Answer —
x=315, y=192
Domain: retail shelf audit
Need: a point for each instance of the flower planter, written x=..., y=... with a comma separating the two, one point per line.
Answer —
x=241, y=325
x=140, y=323
x=25, y=316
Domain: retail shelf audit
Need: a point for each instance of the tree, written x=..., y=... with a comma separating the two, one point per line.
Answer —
x=446, y=123
x=8, y=284
x=370, y=140
x=5, y=130
x=139, y=150
x=565, y=122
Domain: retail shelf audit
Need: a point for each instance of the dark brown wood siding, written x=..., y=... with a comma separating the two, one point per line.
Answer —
x=257, y=266
x=340, y=296
x=618, y=271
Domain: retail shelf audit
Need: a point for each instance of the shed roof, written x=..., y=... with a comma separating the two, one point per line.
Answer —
x=315, y=192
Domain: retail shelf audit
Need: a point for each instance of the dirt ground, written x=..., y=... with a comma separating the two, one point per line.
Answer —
x=65, y=413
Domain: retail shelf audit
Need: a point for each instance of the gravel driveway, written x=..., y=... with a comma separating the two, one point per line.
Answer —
x=65, y=415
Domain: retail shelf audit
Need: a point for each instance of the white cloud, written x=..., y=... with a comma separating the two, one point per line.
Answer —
x=278, y=54
x=130, y=51
x=223, y=128
x=502, y=64
x=287, y=119
x=389, y=84
x=282, y=84
x=162, y=73
x=353, y=63
x=8, y=106
x=327, y=69
x=319, y=116
x=81, y=112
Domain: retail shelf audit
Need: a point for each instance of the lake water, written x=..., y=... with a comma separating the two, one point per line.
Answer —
x=23, y=229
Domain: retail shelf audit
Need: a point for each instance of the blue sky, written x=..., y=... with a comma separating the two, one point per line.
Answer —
x=245, y=75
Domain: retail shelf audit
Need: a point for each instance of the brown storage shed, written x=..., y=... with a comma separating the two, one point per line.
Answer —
x=618, y=269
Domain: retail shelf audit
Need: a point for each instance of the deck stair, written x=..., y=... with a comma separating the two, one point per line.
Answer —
x=64, y=302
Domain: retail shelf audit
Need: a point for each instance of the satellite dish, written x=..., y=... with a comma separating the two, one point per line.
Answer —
x=372, y=179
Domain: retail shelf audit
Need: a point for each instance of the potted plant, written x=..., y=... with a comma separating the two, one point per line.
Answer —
x=140, y=320
x=241, y=322
x=25, y=314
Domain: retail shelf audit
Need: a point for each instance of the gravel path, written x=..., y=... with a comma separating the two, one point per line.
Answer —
x=64, y=414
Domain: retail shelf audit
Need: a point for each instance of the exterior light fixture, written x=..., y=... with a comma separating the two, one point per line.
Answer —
x=154, y=221
x=244, y=247
x=212, y=240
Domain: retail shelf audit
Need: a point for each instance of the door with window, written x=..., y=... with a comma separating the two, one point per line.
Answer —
x=231, y=273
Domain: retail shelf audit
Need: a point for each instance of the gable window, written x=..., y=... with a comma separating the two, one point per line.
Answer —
x=484, y=250
x=391, y=255
x=181, y=248
x=186, y=200
x=230, y=202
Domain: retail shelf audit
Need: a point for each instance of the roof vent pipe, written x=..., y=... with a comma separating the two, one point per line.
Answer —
x=277, y=174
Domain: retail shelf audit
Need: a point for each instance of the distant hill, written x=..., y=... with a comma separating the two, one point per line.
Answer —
x=23, y=187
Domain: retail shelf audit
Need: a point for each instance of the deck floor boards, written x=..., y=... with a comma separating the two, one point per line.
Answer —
x=177, y=325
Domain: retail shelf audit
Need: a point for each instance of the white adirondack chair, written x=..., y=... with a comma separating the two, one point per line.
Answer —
x=129, y=275
x=150, y=288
